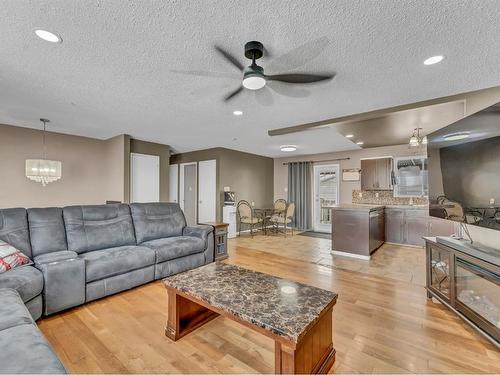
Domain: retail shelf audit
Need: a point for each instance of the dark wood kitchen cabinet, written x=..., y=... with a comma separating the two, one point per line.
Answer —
x=394, y=221
x=376, y=174
x=408, y=225
x=416, y=227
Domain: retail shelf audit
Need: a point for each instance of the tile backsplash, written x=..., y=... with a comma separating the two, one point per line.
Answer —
x=384, y=197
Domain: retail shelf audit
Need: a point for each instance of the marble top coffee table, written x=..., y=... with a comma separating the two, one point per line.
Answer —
x=298, y=317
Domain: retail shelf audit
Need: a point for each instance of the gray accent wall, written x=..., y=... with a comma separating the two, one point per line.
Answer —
x=471, y=172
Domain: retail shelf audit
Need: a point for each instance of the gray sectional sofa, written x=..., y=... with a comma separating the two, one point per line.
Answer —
x=80, y=254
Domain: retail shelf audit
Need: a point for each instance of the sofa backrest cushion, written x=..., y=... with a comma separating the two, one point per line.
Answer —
x=98, y=227
x=47, y=232
x=14, y=229
x=157, y=220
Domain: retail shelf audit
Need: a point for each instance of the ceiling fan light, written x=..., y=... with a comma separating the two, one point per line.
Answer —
x=254, y=82
x=424, y=140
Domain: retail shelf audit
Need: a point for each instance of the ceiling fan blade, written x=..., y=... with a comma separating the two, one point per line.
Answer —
x=288, y=90
x=200, y=73
x=300, y=78
x=299, y=55
x=233, y=60
x=264, y=97
x=233, y=94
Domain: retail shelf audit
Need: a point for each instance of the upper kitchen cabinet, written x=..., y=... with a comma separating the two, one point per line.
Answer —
x=411, y=176
x=376, y=174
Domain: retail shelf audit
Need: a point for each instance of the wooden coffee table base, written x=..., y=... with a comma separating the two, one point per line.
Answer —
x=313, y=353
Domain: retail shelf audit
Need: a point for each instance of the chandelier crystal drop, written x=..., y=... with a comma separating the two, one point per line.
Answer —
x=43, y=170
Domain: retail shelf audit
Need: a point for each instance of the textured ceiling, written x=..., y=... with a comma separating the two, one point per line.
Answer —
x=113, y=73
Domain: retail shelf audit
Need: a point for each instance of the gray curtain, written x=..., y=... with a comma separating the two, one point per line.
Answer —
x=300, y=193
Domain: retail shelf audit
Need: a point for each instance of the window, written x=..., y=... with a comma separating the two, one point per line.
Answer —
x=411, y=175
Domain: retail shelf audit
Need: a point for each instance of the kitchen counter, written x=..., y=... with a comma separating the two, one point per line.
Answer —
x=407, y=206
x=372, y=207
x=354, y=206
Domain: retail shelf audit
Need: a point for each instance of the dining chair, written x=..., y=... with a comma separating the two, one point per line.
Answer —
x=284, y=218
x=280, y=205
x=246, y=216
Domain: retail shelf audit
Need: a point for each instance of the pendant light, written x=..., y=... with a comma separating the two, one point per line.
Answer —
x=42, y=170
x=416, y=140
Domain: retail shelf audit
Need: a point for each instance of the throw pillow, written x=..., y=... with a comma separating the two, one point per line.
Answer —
x=10, y=257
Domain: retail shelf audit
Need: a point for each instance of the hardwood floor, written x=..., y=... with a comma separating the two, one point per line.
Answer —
x=383, y=323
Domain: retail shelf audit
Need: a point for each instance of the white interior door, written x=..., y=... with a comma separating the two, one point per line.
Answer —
x=188, y=191
x=326, y=195
x=173, y=183
x=207, y=190
x=144, y=178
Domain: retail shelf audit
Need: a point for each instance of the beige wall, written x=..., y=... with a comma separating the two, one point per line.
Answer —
x=249, y=175
x=150, y=148
x=346, y=187
x=92, y=169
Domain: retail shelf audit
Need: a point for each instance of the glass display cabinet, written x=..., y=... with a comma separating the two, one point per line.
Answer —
x=440, y=272
x=468, y=285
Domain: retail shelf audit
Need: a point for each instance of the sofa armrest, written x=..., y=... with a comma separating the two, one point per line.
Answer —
x=54, y=257
x=63, y=280
x=200, y=231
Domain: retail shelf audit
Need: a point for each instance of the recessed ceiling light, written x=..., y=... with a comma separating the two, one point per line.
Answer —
x=433, y=60
x=288, y=148
x=237, y=113
x=456, y=136
x=359, y=143
x=48, y=36
x=349, y=135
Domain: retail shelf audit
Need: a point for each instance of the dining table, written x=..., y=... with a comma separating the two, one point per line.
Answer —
x=265, y=214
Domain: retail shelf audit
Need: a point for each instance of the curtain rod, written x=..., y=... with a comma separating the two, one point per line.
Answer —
x=318, y=161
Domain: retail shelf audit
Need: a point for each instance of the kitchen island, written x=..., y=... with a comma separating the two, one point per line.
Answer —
x=357, y=229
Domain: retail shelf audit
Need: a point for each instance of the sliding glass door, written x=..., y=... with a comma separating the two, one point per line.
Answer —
x=326, y=194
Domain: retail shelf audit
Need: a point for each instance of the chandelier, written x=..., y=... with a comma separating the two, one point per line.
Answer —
x=416, y=139
x=43, y=170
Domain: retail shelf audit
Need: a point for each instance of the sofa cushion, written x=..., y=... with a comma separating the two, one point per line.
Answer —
x=157, y=220
x=14, y=229
x=12, y=310
x=27, y=280
x=47, y=231
x=101, y=264
x=98, y=227
x=175, y=247
x=10, y=257
x=26, y=351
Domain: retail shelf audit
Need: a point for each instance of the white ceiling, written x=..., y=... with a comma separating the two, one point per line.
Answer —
x=113, y=72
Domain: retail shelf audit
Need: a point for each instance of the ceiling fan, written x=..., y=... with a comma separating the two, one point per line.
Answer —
x=254, y=77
